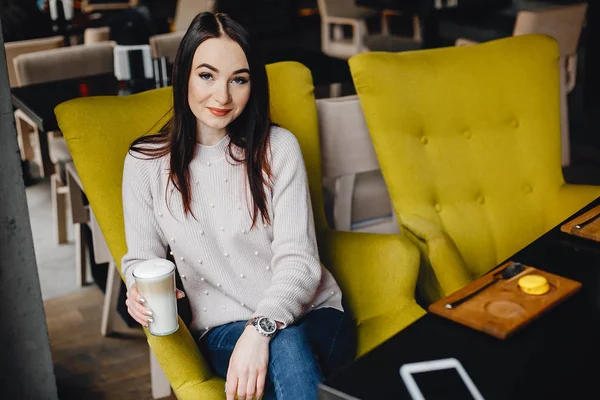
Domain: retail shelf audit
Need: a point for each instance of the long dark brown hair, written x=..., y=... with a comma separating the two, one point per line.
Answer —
x=248, y=132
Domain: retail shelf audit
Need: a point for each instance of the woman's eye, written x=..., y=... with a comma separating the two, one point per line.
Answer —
x=206, y=76
x=239, y=80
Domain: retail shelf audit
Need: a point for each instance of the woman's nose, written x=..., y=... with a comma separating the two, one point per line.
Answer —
x=222, y=95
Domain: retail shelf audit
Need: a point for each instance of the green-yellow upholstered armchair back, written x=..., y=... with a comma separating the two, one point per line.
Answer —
x=377, y=273
x=468, y=140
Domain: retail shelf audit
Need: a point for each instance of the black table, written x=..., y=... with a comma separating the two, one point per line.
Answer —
x=38, y=100
x=554, y=357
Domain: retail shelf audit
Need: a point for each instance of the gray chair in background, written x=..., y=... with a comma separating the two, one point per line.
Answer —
x=26, y=130
x=166, y=45
x=89, y=6
x=96, y=35
x=186, y=10
x=357, y=198
x=64, y=63
x=387, y=41
x=14, y=49
x=53, y=65
x=335, y=14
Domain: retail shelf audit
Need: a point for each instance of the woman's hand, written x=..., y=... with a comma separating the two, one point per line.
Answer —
x=135, y=307
x=248, y=366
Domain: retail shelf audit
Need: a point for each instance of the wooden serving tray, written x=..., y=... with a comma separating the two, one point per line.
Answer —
x=503, y=308
x=590, y=231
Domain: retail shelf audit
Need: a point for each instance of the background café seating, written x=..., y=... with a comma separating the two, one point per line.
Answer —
x=27, y=142
x=356, y=197
x=469, y=146
x=335, y=14
x=95, y=35
x=186, y=10
x=166, y=45
x=377, y=273
x=89, y=6
x=53, y=65
x=14, y=49
x=64, y=63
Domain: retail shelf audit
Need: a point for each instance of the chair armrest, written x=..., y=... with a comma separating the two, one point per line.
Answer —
x=188, y=372
x=442, y=270
x=376, y=271
x=571, y=71
x=378, y=274
x=343, y=21
x=465, y=42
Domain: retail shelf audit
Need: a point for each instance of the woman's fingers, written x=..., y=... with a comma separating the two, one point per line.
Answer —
x=237, y=384
x=241, y=387
x=140, y=316
x=230, y=385
x=251, y=385
x=134, y=294
x=135, y=308
x=179, y=294
x=260, y=383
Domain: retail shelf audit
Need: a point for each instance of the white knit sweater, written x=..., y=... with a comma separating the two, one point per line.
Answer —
x=229, y=272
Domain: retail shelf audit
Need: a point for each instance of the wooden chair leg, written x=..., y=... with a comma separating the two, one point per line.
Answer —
x=59, y=208
x=335, y=89
x=24, y=130
x=342, y=203
x=80, y=255
x=338, y=32
x=385, y=24
x=111, y=297
x=160, y=384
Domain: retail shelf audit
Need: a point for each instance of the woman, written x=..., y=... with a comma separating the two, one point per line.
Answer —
x=228, y=192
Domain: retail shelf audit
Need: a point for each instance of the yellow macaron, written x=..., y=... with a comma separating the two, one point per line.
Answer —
x=534, y=284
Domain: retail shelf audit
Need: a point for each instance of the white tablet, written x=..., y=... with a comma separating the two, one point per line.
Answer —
x=439, y=379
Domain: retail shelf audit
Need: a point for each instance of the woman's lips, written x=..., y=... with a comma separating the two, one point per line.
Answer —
x=219, y=112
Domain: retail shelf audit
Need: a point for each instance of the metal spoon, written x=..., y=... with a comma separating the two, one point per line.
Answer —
x=512, y=270
x=587, y=221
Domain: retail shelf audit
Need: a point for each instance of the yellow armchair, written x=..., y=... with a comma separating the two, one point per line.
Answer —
x=377, y=273
x=468, y=140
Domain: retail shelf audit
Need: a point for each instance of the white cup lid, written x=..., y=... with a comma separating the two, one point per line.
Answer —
x=151, y=269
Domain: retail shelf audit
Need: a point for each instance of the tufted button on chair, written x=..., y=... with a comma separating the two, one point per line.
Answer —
x=469, y=144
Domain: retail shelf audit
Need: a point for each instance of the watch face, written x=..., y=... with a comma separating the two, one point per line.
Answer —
x=267, y=324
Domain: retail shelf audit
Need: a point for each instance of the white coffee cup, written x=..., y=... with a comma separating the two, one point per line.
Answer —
x=155, y=280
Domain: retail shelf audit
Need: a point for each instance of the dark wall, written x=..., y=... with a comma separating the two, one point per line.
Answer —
x=266, y=18
x=26, y=371
x=22, y=20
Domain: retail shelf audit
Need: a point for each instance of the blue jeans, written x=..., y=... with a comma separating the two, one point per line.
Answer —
x=300, y=355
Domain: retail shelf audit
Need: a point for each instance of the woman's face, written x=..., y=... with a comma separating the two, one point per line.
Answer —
x=219, y=84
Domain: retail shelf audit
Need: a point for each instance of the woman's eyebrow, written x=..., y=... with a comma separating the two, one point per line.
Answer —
x=239, y=71
x=207, y=66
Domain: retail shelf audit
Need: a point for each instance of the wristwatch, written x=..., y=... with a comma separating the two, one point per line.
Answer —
x=264, y=325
